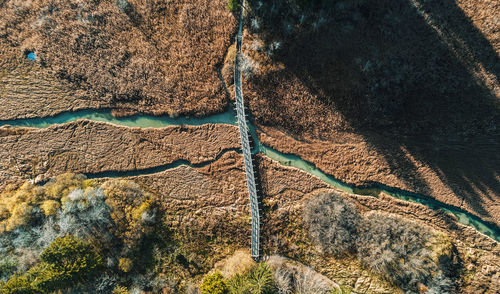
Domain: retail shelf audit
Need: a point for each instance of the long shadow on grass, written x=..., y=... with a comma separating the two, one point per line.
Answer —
x=416, y=80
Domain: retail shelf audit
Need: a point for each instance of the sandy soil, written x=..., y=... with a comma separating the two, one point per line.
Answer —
x=90, y=147
x=134, y=56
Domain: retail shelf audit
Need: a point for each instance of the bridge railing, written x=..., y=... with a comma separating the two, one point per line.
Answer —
x=245, y=145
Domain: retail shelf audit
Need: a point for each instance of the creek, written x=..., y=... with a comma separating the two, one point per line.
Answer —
x=229, y=117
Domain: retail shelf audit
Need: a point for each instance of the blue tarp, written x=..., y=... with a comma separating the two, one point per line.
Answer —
x=31, y=56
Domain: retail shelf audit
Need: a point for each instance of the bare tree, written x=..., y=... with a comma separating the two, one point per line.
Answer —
x=333, y=222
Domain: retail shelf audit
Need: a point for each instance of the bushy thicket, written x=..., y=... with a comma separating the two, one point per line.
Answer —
x=66, y=262
x=116, y=217
x=213, y=284
x=412, y=256
x=397, y=248
x=257, y=280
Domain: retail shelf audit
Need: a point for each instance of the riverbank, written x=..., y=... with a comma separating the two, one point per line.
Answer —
x=350, y=158
x=37, y=168
x=215, y=192
x=369, y=98
x=91, y=147
x=213, y=200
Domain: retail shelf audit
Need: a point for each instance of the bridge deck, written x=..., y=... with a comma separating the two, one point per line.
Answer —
x=245, y=145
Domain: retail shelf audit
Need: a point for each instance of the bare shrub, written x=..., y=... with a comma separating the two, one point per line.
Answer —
x=283, y=277
x=408, y=254
x=308, y=281
x=332, y=222
x=399, y=249
x=247, y=65
x=85, y=213
x=191, y=289
x=441, y=285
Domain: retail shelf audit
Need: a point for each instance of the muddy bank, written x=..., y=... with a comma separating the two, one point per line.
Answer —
x=90, y=147
x=154, y=57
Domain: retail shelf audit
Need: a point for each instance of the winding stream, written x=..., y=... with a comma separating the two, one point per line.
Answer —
x=228, y=117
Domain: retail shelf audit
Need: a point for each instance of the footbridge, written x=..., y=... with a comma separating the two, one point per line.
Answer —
x=246, y=147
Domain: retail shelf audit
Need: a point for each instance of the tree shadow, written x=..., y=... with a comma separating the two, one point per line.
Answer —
x=418, y=81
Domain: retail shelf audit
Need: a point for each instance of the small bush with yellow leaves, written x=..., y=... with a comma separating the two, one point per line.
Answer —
x=213, y=284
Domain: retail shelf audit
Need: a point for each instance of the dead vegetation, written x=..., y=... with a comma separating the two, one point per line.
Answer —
x=359, y=65
x=403, y=93
x=27, y=89
x=137, y=56
x=294, y=277
x=333, y=222
x=412, y=256
x=93, y=147
x=208, y=209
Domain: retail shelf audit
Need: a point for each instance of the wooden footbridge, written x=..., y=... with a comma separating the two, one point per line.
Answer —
x=246, y=147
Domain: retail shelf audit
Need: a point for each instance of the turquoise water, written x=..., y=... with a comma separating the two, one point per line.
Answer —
x=31, y=56
x=156, y=169
x=141, y=121
x=228, y=117
x=463, y=217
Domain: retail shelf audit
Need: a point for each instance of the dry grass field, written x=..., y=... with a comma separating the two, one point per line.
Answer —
x=405, y=93
x=211, y=201
x=29, y=90
x=208, y=206
x=158, y=57
x=92, y=147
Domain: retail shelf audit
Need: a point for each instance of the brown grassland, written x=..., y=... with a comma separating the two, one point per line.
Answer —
x=28, y=89
x=208, y=207
x=158, y=57
x=405, y=93
x=210, y=203
x=91, y=147
x=402, y=93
